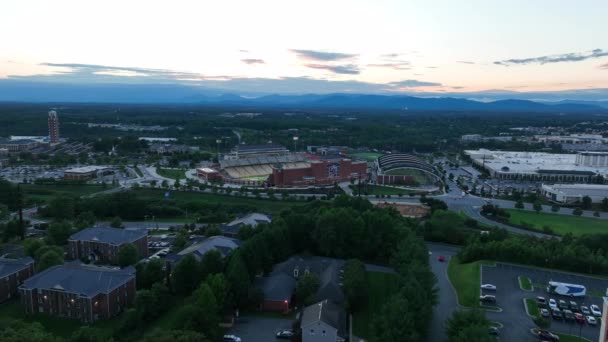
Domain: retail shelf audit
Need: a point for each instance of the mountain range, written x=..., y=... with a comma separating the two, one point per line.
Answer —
x=27, y=91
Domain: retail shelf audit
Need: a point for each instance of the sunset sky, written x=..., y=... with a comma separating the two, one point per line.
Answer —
x=366, y=46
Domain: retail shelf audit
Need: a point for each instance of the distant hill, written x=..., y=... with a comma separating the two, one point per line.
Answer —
x=28, y=91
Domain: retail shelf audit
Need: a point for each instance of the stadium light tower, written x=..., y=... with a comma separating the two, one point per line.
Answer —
x=218, y=142
x=295, y=144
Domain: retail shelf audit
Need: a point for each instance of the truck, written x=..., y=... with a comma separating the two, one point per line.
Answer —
x=564, y=289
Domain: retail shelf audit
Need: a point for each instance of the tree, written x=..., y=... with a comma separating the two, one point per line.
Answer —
x=161, y=335
x=3, y=211
x=238, y=277
x=577, y=211
x=84, y=220
x=11, y=229
x=213, y=231
x=355, y=287
x=519, y=204
x=62, y=207
x=150, y=273
x=180, y=240
x=185, y=275
x=395, y=322
x=604, y=204
x=555, y=208
x=202, y=313
x=220, y=288
x=48, y=259
x=127, y=255
x=164, y=184
x=116, y=222
x=212, y=263
x=596, y=213
x=19, y=331
x=467, y=324
x=307, y=288
x=537, y=206
x=32, y=245
x=586, y=202
x=59, y=232
x=88, y=334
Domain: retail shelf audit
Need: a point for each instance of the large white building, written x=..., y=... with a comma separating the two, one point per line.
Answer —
x=539, y=166
x=573, y=193
x=593, y=159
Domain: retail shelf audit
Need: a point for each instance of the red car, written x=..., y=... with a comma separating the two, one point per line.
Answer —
x=580, y=319
x=441, y=258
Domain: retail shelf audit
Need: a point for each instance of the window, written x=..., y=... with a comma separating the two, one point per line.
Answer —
x=312, y=332
x=296, y=272
x=323, y=332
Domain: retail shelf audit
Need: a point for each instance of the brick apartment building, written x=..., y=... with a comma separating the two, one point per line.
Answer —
x=319, y=173
x=13, y=272
x=101, y=245
x=83, y=292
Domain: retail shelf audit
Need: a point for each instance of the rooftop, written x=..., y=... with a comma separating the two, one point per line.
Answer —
x=325, y=312
x=597, y=190
x=82, y=279
x=87, y=169
x=253, y=148
x=114, y=236
x=10, y=266
x=222, y=244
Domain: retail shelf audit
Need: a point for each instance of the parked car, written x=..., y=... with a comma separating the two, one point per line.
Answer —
x=285, y=334
x=552, y=303
x=585, y=310
x=544, y=312
x=488, y=287
x=494, y=331
x=595, y=310
x=591, y=320
x=441, y=258
x=556, y=314
x=568, y=315
x=541, y=301
x=231, y=338
x=573, y=306
x=487, y=299
x=562, y=304
x=547, y=336
x=579, y=318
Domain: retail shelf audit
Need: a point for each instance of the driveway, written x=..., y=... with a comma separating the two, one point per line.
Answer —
x=259, y=328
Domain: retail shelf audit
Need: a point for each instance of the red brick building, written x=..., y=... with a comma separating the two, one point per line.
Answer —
x=208, y=174
x=101, y=245
x=13, y=272
x=83, y=292
x=319, y=173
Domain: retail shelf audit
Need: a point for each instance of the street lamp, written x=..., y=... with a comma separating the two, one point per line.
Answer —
x=218, y=142
x=295, y=144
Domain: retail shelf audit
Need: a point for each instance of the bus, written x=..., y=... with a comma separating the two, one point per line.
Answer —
x=564, y=289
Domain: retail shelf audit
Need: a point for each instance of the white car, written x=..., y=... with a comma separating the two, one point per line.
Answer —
x=231, y=338
x=591, y=320
x=595, y=310
x=488, y=287
x=552, y=303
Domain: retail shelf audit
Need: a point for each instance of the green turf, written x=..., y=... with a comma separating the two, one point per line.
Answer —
x=380, y=190
x=380, y=287
x=45, y=192
x=419, y=176
x=263, y=205
x=369, y=156
x=466, y=279
x=525, y=283
x=570, y=338
x=560, y=224
x=171, y=173
x=532, y=307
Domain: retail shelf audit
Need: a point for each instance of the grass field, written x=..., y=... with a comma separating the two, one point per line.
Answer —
x=61, y=327
x=171, y=173
x=369, y=156
x=532, y=307
x=466, y=279
x=45, y=192
x=525, y=283
x=560, y=224
x=419, y=176
x=380, y=190
x=263, y=205
x=380, y=287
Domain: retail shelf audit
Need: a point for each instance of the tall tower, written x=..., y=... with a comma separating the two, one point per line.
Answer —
x=53, y=127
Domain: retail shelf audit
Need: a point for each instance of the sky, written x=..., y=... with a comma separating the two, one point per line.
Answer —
x=409, y=46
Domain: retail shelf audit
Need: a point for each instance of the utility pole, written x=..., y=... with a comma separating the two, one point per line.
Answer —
x=218, y=142
x=19, y=200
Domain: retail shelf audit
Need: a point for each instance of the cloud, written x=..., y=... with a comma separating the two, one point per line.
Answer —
x=322, y=56
x=253, y=61
x=95, y=69
x=395, y=66
x=465, y=62
x=431, y=67
x=457, y=87
x=244, y=51
x=413, y=84
x=566, y=57
x=604, y=66
x=347, y=69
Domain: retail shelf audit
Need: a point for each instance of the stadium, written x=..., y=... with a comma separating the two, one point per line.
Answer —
x=404, y=169
x=272, y=165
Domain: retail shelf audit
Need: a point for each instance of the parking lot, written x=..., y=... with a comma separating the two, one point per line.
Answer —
x=257, y=328
x=510, y=298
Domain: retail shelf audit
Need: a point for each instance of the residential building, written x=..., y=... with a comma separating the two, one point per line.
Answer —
x=101, y=245
x=574, y=193
x=323, y=322
x=224, y=245
x=76, y=291
x=232, y=228
x=13, y=272
x=53, y=127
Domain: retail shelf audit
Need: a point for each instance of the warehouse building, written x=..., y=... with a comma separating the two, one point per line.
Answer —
x=574, y=193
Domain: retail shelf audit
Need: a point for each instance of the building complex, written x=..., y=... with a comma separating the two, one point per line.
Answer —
x=101, y=245
x=13, y=272
x=574, y=193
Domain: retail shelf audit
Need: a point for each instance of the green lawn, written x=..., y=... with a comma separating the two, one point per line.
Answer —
x=381, y=190
x=525, y=283
x=369, y=156
x=263, y=205
x=570, y=338
x=466, y=279
x=380, y=287
x=172, y=173
x=560, y=224
x=419, y=176
x=45, y=192
x=61, y=327
x=532, y=307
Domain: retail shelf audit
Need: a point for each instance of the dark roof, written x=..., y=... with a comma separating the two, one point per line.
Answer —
x=568, y=172
x=326, y=312
x=245, y=148
x=16, y=142
x=114, y=236
x=222, y=244
x=81, y=279
x=277, y=287
x=10, y=266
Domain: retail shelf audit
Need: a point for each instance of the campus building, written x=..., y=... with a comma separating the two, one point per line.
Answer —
x=16, y=146
x=318, y=173
x=574, y=193
x=13, y=272
x=76, y=291
x=53, y=127
x=87, y=172
x=266, y=150
x=101, y=245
